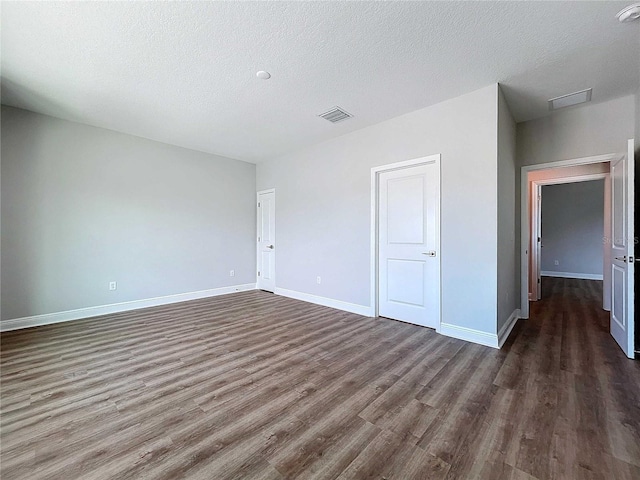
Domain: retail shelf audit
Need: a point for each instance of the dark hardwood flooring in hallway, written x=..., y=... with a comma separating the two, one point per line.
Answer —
x=257, y=386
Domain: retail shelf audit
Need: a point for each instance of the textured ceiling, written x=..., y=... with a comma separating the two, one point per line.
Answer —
x=184, y=72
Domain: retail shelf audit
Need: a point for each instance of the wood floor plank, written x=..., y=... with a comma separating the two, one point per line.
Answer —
x=258, y=386
x=372, y=460
x=413, y=463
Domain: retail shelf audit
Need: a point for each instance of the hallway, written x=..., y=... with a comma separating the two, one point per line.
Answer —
x=578, y=384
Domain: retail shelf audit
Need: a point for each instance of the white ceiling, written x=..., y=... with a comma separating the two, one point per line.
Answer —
x=184, y=72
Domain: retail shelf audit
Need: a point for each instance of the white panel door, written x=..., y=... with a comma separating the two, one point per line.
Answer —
x=408, y=238
x=266, y=279
x=622, y=246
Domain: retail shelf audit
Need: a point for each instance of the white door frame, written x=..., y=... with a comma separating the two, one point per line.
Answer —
x=535, y=216
x=262, y=192
x=375, y=187
x=524, y=216
x=535, y=196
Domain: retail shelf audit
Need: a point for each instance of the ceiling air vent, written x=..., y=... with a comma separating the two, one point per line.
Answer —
x=571, y=99
x=335, y=115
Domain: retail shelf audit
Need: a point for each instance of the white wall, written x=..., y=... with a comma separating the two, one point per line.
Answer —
x=82, y=206
x=323, y=203
x=580, y=131
x=507, y=251
x=572, y=230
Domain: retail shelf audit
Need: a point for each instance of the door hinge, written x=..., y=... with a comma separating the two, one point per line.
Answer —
x=538, y=280
x=258, y=204
x=538, y=238
x=258, y=273
x=258, y=238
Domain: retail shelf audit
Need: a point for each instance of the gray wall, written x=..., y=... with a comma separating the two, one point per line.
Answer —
x=508, y=210
x=82, y=206
x=323, y=203
x=573, y=227
x=581, y=131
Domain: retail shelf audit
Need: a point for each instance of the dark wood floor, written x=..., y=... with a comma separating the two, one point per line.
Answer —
x=257, y=386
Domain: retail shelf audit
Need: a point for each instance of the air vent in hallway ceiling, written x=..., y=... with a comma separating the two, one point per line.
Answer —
x=571, y=99
x=335, y=115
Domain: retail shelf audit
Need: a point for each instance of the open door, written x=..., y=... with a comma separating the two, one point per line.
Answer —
x=622, y=250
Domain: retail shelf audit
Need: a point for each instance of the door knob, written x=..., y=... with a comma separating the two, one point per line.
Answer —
x=430, y=253
x=270, y=246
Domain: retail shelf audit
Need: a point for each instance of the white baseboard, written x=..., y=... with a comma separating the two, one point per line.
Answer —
x=479, y=337
x=505, y=331
x=469, y=335
x=49, y=318
x=326, y=302
x=582, y=276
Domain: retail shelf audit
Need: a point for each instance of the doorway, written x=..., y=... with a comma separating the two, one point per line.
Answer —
x=406, y=241
x=620, y=240
x=570, y=216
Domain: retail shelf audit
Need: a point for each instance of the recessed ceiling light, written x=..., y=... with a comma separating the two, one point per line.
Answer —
x=630, y=13
x=263, y=75
x=570, y=99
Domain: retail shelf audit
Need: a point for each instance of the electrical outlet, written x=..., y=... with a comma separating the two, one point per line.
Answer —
x=556, y=262
x=113, y=285
x=232, y=273
x=318, y=280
